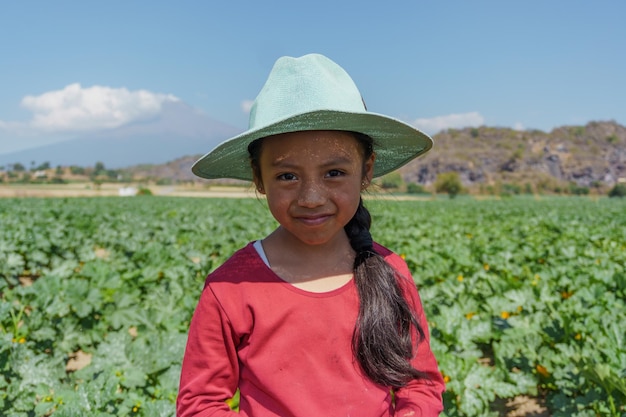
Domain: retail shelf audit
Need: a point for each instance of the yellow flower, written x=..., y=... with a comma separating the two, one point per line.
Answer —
x=486, y=266
x=566, y=294
x=470, y=315
x=578, y=336
x=459, y=278
x=505, y=315
x=542, y=370
x=403, y=256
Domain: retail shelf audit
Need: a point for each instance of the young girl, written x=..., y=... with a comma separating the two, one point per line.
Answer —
x=315, y=319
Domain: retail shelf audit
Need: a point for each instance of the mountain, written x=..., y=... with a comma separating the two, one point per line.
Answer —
x=593, y=155
x=178, y=131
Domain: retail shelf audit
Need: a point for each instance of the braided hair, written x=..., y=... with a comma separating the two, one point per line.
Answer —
x=382, y=340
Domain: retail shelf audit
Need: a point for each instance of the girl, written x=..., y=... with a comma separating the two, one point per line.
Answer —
x=315, y=319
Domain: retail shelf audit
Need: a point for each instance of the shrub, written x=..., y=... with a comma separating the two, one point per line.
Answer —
x=619, y=190
x=164, y=181
x=413, y=188
x=577, y=130
x=42, y=167
x=26, y=177
x=76, y=170
x=528, y=188
x=448, y=182
x=575, y=189
x=511, y=189
x=392, y=180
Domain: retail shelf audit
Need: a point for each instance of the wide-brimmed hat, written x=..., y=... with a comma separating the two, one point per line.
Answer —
x=313, y=93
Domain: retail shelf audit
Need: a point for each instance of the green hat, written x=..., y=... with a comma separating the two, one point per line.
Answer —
x=313, y=93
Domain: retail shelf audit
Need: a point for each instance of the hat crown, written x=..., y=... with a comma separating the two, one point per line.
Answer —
x=302, y=85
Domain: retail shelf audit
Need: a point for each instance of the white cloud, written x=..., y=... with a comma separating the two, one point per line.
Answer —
x=246, y=105
x=75, y=108
x=518, y=126
x=455, y=121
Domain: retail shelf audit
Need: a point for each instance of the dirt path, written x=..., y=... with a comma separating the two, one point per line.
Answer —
x=109, y=190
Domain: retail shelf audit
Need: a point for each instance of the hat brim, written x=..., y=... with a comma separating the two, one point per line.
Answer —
x=395, y=142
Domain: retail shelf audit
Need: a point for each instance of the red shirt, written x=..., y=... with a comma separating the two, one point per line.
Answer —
x=289, y=351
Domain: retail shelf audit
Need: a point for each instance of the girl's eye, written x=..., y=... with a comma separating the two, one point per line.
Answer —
x=334, y=173
x=286, y=177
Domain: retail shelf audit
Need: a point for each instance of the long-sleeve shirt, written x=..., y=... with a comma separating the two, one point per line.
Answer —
x=289, y=351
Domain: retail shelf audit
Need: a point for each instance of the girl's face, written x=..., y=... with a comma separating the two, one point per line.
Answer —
x=313, y=182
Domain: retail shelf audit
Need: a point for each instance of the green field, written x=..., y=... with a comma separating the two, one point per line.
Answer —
x=525, y=298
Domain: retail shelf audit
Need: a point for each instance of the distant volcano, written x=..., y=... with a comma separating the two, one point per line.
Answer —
x=179, y=130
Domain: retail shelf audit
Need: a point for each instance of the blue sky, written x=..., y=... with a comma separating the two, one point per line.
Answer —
x=73, y=67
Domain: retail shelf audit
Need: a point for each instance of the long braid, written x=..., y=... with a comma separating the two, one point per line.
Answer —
x=382, y=340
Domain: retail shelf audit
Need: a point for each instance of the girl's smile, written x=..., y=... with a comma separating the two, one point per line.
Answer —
x=312, y=181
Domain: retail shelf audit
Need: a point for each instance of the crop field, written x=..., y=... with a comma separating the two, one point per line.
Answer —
x=526, y=299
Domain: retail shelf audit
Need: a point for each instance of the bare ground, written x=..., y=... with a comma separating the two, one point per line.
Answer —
x=522, y=406
x=108, y=190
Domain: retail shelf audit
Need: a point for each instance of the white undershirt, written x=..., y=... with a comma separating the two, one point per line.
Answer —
x=259, y=248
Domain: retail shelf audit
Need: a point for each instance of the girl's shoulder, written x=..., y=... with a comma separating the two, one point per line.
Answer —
x=244, y=264
x=392, y=258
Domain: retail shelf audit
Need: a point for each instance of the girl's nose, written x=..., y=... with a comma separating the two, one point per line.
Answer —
x=312, y=194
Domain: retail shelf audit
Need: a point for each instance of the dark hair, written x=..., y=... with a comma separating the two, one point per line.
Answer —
x=382, y=340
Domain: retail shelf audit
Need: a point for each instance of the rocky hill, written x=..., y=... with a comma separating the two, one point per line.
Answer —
x=588, y=156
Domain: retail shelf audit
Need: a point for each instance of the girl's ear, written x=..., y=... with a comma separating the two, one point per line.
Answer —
x=368, y=172
x=258, y=184
x=256, y=176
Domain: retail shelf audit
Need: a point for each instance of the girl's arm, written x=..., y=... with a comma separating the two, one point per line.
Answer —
x=210, y=366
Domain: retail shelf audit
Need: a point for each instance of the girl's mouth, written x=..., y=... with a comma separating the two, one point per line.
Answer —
x=313, y=220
